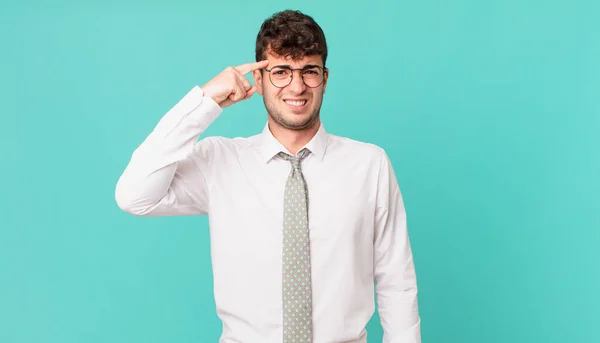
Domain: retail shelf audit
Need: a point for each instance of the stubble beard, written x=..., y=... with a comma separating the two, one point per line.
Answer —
x=277, y=116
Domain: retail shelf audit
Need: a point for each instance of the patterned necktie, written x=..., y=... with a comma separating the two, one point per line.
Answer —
x=297, y=293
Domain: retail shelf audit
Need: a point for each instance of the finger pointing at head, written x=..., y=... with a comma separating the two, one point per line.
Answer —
x=248, y=67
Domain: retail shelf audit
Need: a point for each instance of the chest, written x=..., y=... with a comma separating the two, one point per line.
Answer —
x=247, y=202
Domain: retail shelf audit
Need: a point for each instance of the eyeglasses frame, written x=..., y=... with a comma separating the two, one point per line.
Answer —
x=324, y=70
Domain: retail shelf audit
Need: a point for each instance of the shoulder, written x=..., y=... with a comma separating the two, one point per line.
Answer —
x=226, y=145
x=366, y=154
x=359, y=149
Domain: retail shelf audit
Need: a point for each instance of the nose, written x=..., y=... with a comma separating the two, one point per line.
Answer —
x=297, y=85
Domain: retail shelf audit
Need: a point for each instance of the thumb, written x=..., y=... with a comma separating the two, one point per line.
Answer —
x=226, y=103
x=250, y=92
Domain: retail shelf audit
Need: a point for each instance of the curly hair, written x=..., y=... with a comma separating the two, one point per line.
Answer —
x=291, y=34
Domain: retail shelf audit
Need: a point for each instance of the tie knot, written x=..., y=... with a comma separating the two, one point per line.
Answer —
x=295, y=160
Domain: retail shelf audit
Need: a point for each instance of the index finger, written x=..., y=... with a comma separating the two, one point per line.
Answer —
x=248, y=67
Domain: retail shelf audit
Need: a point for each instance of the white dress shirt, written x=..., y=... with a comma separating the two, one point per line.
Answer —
x=357, y=224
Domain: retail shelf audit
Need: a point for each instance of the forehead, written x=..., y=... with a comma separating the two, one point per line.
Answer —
x=294, y=63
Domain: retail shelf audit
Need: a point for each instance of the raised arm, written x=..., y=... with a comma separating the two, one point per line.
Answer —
x=169, y=173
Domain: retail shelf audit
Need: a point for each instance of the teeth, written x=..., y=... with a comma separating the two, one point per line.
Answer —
x=296, y=103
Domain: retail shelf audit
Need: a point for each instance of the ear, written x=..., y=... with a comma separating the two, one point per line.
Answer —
x=325, y=78
x=257, y=75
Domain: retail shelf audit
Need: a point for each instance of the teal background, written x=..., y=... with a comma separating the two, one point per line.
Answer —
x=489, y=110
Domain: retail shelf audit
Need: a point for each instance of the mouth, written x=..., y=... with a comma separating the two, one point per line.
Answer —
x=296, y=104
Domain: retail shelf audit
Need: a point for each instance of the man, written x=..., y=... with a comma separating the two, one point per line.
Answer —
x=302, y=223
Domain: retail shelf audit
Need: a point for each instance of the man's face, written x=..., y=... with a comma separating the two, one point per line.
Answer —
x=295, y=106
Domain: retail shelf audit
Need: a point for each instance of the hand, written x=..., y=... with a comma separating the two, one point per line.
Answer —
x=230, y=86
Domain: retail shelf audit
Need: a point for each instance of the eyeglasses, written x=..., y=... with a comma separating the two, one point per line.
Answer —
x=281, y=76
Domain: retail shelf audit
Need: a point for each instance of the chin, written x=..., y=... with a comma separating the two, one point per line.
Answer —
x=300, y=122
x=292, y=119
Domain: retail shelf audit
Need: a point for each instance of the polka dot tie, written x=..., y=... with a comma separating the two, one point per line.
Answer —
x=297, y=293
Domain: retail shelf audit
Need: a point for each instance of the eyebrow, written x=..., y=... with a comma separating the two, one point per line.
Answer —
x=289, y=66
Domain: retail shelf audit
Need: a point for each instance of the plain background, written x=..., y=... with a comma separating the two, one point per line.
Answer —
x=489, y=110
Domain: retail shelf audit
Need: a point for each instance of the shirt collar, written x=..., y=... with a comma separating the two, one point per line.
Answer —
x=269, y=146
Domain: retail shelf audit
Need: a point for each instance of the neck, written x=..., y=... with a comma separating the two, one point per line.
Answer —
x=293, y=140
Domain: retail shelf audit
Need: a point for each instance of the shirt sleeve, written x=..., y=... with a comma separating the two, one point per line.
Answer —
x=169, y=173
x=395, y=277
